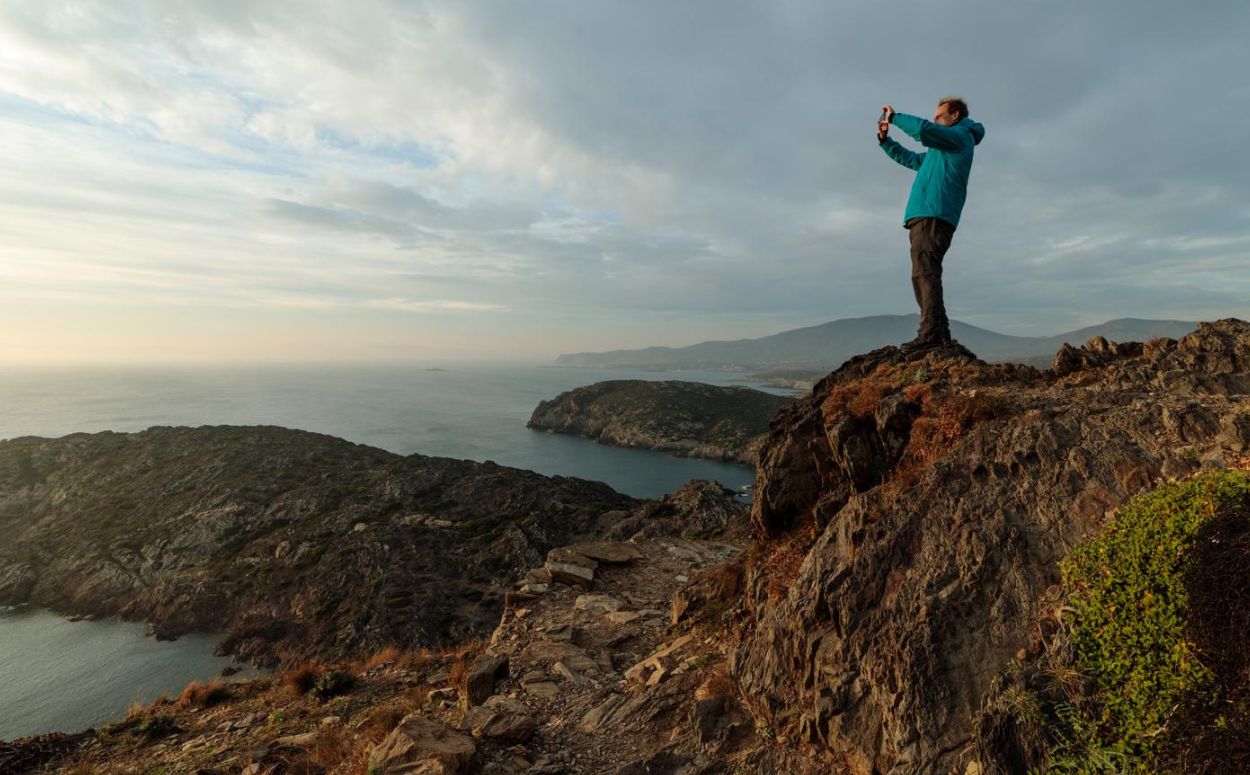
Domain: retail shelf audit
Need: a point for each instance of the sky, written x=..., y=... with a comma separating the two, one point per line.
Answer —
x=366, y=180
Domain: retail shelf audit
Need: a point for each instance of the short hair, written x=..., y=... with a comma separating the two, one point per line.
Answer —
x=957, y=104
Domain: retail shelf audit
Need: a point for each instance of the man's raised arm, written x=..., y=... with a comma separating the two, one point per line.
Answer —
x=909, y=159
x=929, y=134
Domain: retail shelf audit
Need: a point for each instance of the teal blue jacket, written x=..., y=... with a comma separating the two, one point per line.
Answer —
x=941, y=183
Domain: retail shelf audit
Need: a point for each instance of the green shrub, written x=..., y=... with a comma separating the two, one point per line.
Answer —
x=155, y=726
x=1128, y=619
x=332, y=684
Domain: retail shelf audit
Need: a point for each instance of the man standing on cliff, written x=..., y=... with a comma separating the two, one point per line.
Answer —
x=937, y=198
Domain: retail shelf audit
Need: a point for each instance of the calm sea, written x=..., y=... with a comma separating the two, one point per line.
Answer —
x=64, y=676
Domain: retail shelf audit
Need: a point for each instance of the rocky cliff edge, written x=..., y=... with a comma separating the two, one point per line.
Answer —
x=911, y=515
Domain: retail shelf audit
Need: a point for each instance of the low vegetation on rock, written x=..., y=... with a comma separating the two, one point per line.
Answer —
x=1149, y=671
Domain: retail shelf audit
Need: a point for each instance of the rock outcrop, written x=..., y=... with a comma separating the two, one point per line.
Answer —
x=295, y=544
x=910, y=519
x=690, y=419
x=912, y=513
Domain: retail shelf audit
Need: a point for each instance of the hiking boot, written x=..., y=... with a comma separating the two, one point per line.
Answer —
x=920, y=345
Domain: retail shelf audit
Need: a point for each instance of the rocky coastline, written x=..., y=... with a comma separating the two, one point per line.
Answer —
x=689, y=419
x=905, y=602
x=294, y=544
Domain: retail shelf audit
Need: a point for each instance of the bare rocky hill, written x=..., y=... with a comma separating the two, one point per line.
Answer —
x=691, y=419
x=293, y=543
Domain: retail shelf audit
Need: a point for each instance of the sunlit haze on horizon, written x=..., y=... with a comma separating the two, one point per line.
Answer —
x=344, y=181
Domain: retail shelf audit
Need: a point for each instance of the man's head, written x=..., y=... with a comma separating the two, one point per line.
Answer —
x=950, y=111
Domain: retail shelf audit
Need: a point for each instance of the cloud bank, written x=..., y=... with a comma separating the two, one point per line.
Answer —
x=411, y=179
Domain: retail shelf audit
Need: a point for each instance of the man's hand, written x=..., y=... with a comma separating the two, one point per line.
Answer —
x=888, y=112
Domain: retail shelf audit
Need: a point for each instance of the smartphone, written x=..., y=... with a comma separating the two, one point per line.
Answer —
x=883, y=117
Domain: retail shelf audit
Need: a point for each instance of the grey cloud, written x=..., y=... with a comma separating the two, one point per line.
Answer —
x=733, y=142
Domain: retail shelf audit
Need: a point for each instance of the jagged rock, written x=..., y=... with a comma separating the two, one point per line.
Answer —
x=659, y=664
x=607, y=552
x=699, y=508
x=296, y=741
x=912, y=512
x=31, y=753
x=17, y=581
x=501, y=718
x=480, y=682
x=537, y=683
x=419, y=746
x=569, y=567
x=559, y=633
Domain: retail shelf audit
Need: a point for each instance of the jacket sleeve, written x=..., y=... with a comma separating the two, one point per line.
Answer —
x=931, y=135
x=909, y=159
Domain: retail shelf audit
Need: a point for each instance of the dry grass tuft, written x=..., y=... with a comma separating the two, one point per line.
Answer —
x=858, y=398
x=462, y=663
x=781, y=559
x=333, y=750
x=945, y=419
x=382, y=719
x=718, y=685
x=198, y=695
x=388, y=655
x=301, y=679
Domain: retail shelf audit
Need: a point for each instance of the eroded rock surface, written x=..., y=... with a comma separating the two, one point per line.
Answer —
x=913, y=511
x=296, y=544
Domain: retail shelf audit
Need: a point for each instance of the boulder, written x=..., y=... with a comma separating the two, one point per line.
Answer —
x=608, y=552
x=420, y=746
x=569, y=567
x=500, y=718
x=480, y=682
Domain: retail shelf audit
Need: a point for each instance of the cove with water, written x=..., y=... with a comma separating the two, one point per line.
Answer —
x=58, y=675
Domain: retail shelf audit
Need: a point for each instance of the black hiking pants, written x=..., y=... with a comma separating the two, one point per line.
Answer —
x=930, y=239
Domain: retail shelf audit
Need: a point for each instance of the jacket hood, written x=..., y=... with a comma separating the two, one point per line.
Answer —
x=975, y=127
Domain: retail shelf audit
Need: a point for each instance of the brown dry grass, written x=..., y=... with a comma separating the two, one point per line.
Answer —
x=388, y=655
x=300, y=679
x=781, y=559
x=198, y=695
x=383, y=718
x=728, y=578
x=718, y=684
x=332, y=750
x=462, y=663
x=858, y=398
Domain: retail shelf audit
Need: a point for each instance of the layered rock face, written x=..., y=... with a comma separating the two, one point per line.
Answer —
x=912, y=513
x=294, y=543
x=686, y=418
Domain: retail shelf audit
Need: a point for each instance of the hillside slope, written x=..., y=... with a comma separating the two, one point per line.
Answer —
x=294, y=543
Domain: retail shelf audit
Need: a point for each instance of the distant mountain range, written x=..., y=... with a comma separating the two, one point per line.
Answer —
x=827, y=345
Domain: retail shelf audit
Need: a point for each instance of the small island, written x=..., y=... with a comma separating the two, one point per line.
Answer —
x=690, y=419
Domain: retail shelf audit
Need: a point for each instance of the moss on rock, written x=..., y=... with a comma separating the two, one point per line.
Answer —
x=1142, y=604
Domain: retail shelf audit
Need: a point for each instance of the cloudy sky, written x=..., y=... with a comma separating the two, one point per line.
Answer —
x=282, y=180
